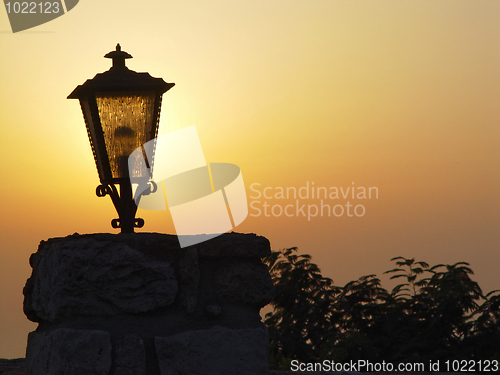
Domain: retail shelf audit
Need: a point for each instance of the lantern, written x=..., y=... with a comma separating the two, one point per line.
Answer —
x=121, y=109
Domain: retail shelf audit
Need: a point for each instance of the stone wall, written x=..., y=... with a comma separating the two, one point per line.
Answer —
x=138, y=304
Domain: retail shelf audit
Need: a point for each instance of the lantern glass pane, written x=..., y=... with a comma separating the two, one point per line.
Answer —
x=127, y=121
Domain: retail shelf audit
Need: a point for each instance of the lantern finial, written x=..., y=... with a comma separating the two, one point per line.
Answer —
x=118, y=56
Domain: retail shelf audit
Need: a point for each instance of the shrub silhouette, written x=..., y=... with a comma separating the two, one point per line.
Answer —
x=434, y=314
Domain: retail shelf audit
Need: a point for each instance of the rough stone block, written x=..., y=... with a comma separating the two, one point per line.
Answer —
x=155, y=301
x=189, y=278
x=245, y=283
x=68, y=352
x=130, y=356
x=215, y=351
x=235, y=245
x=86, y=276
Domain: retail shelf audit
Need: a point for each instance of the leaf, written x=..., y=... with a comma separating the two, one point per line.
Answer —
x=396, y=276
x=423, y=264
x=400, y=257
x=395, y=270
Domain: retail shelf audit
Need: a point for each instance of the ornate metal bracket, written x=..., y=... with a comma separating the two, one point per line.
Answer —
x=124, y=203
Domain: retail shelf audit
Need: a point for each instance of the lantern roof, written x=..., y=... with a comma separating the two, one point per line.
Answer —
x=120, y=78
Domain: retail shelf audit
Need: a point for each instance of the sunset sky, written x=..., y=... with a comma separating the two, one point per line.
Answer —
x=399, y=95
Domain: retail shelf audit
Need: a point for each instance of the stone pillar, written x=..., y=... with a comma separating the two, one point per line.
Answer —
x=138, y=304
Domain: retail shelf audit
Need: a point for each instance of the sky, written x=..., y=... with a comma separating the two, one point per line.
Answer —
x=397, y=95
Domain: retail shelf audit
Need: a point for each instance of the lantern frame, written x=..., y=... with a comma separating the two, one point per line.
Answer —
x=119, y=81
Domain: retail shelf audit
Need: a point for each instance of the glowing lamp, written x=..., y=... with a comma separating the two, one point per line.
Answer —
x=121, y=109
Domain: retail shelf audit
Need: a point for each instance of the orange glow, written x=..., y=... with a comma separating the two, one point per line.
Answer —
x=401, y=96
